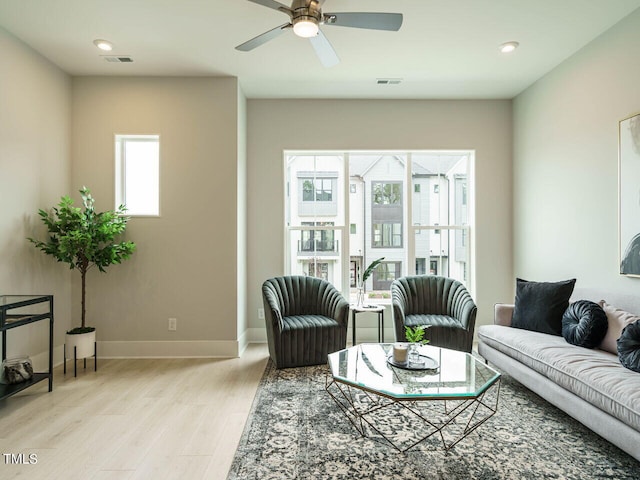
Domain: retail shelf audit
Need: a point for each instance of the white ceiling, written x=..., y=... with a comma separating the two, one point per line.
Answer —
x=444, y=49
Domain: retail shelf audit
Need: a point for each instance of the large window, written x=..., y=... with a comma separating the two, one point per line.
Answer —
x=138, y=174
x=344, y=210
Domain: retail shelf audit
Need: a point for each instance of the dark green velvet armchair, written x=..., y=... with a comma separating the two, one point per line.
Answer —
x=306, y=320
x=442, y=303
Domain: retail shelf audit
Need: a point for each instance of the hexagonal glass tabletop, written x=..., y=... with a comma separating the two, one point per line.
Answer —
x=459, y=375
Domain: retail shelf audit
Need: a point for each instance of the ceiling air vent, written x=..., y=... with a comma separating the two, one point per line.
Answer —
x=388, y=81
x=117, y=58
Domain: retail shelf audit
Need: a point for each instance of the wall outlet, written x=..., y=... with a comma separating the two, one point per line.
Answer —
x=173, y=324
x=261, y=313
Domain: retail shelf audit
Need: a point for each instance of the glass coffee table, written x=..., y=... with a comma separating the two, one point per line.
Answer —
x=404, y=407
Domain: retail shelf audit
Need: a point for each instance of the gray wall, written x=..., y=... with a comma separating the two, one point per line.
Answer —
x=187, y=259
x=485, y=126
x=566, y=163
x=35, y=99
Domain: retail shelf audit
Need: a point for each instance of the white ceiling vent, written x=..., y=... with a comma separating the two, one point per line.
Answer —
x=388, y=81
x=117, y=58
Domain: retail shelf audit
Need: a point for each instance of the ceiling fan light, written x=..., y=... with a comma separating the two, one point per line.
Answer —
x=305, y=28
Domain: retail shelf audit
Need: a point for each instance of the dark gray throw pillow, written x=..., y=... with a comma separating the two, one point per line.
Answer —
x=539, y=306
x=629, y=346
x=584, y=324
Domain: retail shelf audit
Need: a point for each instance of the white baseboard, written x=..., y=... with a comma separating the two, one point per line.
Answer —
x=169, y=349
x=193, y=348
x=243, y=342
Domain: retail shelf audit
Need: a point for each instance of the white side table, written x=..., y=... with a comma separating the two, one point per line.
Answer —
x=379, y=309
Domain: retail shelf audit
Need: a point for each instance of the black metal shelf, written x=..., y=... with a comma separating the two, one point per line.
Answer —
x=9, y=321
x=8, y=390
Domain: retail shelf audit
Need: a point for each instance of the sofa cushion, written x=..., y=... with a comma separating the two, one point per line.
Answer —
x=584, y=324
x=629, y=347
x=539, y=306
x=617, y=320
x=594, y=375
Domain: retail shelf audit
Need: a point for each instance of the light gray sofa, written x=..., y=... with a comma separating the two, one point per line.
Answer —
x=589, y=384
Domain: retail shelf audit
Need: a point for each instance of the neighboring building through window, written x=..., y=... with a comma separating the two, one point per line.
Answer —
x=138, y=174
x=387, y=193
x=319, y=269
x=317, y=240
x=344, y=210
x=317, y=193
x=318, y=190
x=387, y=235
x=386, y=273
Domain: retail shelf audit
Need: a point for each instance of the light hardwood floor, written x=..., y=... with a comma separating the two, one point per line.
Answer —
x=133, y=419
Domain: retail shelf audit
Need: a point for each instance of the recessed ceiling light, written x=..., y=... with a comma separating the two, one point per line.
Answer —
x=508, y=47
x=103, y=45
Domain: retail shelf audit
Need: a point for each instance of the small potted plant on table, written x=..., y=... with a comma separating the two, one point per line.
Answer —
x=415, y=337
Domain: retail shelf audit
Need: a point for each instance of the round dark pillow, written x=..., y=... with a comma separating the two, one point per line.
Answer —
x=629, y=346
x=584, y=324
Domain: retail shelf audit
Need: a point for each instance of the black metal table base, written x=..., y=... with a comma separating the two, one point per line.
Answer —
x=355, y=311
x=378, y=417
x=75, y=359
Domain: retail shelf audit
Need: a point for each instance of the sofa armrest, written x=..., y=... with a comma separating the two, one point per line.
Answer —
x=502, y=314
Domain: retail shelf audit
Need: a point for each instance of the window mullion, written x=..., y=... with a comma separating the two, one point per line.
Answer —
x=410, y=253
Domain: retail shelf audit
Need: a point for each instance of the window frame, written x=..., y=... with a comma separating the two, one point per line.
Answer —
x=342, y=192
x=120, y=141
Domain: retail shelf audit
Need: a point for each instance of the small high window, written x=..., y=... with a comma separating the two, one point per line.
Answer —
x=138, y=174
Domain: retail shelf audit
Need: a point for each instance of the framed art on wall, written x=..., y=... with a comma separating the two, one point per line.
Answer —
x=629, y=195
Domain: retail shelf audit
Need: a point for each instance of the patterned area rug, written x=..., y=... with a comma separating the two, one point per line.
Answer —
x=296, y=431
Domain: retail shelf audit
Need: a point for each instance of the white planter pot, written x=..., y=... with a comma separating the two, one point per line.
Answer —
x=84, y=343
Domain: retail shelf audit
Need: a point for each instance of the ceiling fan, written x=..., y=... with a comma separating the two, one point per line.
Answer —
x=306, y=16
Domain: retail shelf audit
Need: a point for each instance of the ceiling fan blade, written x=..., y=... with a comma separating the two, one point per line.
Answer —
x=263, y=38
x=273, y=4
x=374, y=21
x=327, y=55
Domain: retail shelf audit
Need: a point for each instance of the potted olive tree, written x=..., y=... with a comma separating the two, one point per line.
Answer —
x=83, y=239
